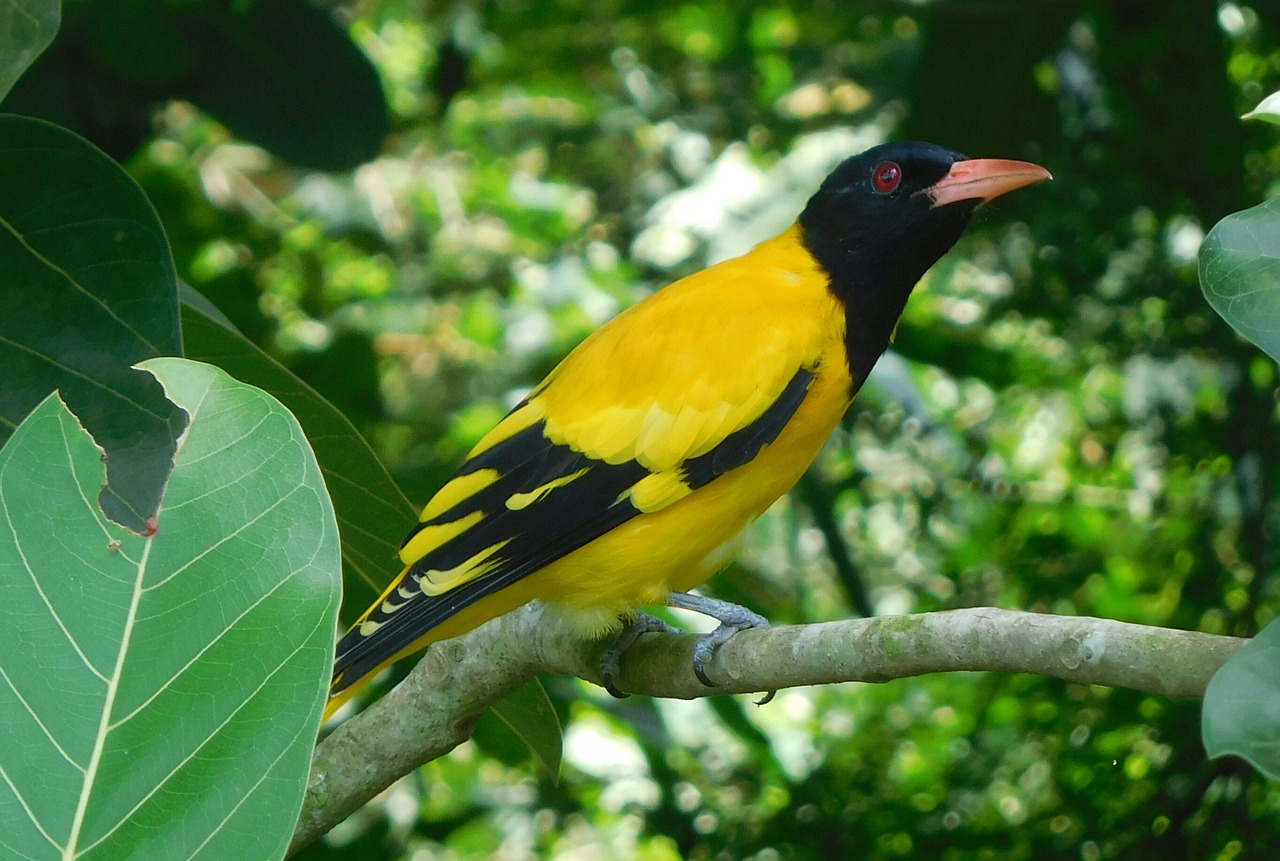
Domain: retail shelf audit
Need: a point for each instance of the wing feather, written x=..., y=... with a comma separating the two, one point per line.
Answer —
x=482, y=544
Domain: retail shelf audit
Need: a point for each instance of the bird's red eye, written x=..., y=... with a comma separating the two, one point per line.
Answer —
x=886, y=176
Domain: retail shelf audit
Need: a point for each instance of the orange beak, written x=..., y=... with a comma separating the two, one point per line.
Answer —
x=984, y=179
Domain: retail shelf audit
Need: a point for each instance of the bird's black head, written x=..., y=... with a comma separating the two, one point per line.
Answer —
x=884, y=217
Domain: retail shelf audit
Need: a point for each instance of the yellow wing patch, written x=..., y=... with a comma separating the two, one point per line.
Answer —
x=437, y=582
x=428, y=538
x=656, y=491
x=659, y=436
x=461, y=488
x=521, y=418
x=518, y=501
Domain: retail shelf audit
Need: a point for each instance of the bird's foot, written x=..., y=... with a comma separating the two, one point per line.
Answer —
x=732, y=618
x=611, y=663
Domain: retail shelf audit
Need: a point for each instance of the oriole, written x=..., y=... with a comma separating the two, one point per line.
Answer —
x=624, y=477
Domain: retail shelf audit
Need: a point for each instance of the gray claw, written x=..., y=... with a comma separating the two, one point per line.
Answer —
x=732, y=618
x=611, y=663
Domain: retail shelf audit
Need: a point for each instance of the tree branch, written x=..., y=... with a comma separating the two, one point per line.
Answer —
x=436, y=706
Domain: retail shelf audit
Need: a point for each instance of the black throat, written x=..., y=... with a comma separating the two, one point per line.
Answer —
x=873, y=271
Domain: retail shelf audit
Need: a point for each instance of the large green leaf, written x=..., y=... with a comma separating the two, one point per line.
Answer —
x=1241, y=713
x=373, y=514
x=1240, y=273
x=161, y=696
x=26, y=28
x=88, y=288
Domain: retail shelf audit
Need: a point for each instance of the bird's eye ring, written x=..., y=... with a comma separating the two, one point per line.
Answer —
x=886, y=177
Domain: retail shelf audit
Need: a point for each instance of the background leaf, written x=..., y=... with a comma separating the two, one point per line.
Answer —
x=1240, y=273
x=529, y=713
x=284, y=75
x=26, y=28
x=1241, y=712
x=281, y=74
x=163, y=695
x=373, y=514
x=88, y=288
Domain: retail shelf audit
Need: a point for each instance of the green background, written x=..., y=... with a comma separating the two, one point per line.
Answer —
x=1064, y=424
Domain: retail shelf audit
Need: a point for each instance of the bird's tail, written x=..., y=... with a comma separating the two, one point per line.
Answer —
x=365, y=649
x=404, y=620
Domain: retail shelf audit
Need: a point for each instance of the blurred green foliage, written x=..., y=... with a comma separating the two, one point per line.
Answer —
x=1063, y=424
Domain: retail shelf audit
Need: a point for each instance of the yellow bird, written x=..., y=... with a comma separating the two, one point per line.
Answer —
x=625, y=477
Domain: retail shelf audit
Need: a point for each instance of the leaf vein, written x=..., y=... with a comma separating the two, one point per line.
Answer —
x=212, y=642
x=40, y=723
x=30, y=813
x=69, y=853
x=35, y=581
x=196, y=750
x=226, y=538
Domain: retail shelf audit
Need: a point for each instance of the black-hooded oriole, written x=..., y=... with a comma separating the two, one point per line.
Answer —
x=625, y=476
